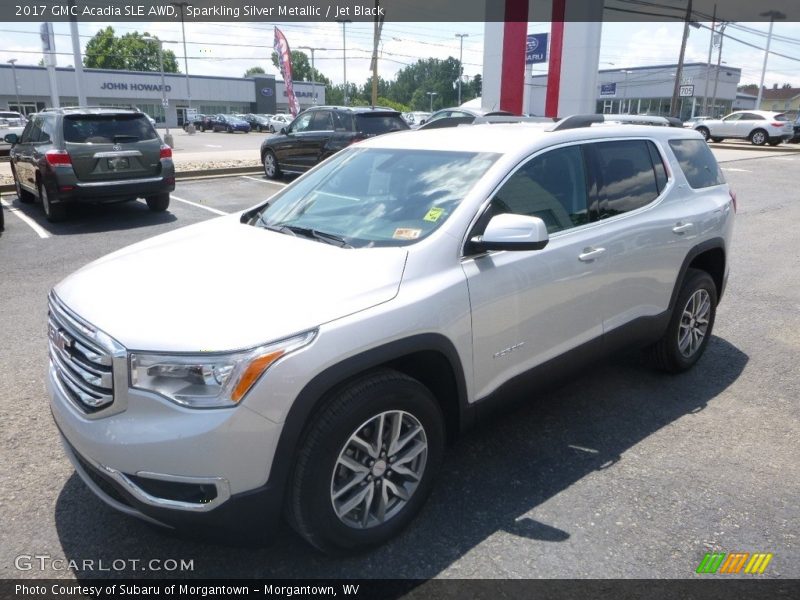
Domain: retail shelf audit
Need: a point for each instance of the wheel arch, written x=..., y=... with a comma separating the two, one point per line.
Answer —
x=430, y=358
x=708, y=256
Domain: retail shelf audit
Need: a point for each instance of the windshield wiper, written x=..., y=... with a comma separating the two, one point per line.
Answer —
x=322, y=236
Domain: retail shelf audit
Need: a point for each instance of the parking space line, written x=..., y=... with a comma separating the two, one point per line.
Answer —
x=280, y=183
x=26, y=219
x=208, y=208
x=734, y=169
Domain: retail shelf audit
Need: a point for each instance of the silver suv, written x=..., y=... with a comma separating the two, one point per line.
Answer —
x=318, y=350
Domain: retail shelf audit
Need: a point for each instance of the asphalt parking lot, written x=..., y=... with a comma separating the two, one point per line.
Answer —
x=623, y=472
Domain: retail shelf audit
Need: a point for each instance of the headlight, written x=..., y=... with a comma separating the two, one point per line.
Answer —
x=208, y=380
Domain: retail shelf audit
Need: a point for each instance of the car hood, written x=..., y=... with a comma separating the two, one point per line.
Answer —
x=222, y=285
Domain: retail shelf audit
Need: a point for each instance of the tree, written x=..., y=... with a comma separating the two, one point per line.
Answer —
x=129, y=52
x=301, y=68
x=254, y=71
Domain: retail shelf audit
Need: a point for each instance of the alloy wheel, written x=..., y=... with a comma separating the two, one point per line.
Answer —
x=378, y=469
x=694, y=323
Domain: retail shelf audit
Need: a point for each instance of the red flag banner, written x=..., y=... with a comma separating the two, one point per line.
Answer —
x=285, y=62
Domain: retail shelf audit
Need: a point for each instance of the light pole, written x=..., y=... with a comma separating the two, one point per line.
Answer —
x=344, y=23
x=461, y=37
x=716, y=75
x=772, y=14
x=625, y=92
x=16, y=87
x=164, y=102
x=182, y=5
x=431, y=95
x=313, y=72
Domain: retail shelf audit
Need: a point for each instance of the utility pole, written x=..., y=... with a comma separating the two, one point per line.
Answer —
x=344, y=23
x=182, y=5
x=164, y=102
x=431, y=95
x=772, y=14
x=719, y=62
x=12, y=62
x=76, y=57
x=313, y=71
x=708, y=64
x=461, y=37
x=674, y=109
x=376, y=38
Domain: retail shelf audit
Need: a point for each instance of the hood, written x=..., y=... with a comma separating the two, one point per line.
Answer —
x=222, y=285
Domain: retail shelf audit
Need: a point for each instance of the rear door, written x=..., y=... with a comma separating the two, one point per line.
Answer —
x=108, y=146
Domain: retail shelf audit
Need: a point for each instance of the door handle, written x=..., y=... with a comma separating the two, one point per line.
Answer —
x=589, y=254
x=681, y=228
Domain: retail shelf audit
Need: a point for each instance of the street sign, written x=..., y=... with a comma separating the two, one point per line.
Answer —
x=165, y=102
x=608, y=89
x=536, y=49
x=686, y=91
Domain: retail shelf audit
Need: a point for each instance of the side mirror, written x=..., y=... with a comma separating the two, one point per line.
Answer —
x=284, y=131
x=511, y=232
x=11, y=138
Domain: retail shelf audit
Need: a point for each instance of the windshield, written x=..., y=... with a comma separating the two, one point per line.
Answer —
x=370, y=197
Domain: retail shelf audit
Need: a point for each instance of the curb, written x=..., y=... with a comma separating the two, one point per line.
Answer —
x=196, y=174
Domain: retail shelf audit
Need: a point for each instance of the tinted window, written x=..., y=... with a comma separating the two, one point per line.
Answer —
x=321, y=121
x=658, y=167
x=733, y=117
x=374, y=124
x=551, y=186
x=752, y=117
x=107, y=129
x=697, y=162
x=48, y=129
x=625, y=176
x=302, y=123
x=25, y=138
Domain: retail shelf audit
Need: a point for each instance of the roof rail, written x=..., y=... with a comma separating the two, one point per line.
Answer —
x=510, y=119
x=52, y=109
x=576, y=121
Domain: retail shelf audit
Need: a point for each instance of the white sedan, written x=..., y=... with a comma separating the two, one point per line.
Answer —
x=758, y=126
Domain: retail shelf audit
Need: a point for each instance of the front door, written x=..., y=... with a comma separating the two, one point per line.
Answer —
x=531, y=306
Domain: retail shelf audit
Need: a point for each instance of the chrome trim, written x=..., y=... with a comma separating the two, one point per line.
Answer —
x=120, y=182
x=117, y=153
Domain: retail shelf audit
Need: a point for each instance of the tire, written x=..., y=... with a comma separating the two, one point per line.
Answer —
x=271, y=168
x=758, y=137
x=55, y=213
x=357, y=410
x=202, y=129
x=229, y=129
x=717, y=139
x=158, y=203
x=22, y=195
x=697, y=298
x=704, y=132
x=271, y=129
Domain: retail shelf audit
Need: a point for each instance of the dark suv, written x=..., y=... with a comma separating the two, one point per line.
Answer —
x=319, y=132
x=90, y=154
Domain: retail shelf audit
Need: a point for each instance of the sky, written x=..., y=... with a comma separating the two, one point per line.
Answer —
x=229, y=49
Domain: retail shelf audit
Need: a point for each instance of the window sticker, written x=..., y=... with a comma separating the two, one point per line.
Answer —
x=434, y=214
x=403, y=233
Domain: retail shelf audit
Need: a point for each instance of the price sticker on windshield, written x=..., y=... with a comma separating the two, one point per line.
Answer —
x=433, y=214
x=403, y=233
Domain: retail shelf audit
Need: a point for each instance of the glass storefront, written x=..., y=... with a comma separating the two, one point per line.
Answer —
x=661, y=106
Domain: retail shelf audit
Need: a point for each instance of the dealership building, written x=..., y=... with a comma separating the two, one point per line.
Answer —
x=648, y=90
x=106, y=87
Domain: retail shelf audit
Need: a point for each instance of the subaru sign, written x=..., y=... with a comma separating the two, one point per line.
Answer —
x=608, y=89
x=266, y=92
x=536, y=50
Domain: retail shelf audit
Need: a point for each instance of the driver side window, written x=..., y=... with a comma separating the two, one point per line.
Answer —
x=301, y=123
x=733, y=118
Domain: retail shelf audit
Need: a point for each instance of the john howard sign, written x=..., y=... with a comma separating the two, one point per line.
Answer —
x=136, y=87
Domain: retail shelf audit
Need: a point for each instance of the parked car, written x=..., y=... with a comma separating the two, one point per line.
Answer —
x=76, y=154
x=416, y=279
x=230, y=124
x=452, y=117
x=320, y=132
x=758, y=126
x=416, y=118
x=692, y=121
x=278, y=122
x=10, y=122
x=197, y=122
x=256, y=122
x=794, y=118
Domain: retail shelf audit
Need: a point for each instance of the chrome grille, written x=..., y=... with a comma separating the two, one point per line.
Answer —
x=82, y=357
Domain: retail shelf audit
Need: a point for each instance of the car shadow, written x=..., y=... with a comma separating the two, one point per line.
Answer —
x=492, y=479
x=96, y=218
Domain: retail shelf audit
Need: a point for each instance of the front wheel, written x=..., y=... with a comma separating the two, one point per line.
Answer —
x=271, y=168
x=158, y=203
x=758, y=137
x=366, y=463
x=704, y=132
x=690, y=325
x=54, y=211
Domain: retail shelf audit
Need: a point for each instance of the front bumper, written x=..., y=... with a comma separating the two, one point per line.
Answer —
x=171, y=465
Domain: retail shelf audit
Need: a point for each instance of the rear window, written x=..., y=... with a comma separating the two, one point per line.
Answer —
x=374, y=124
x=697, y=162
x=780, y=118
x=107, y=129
